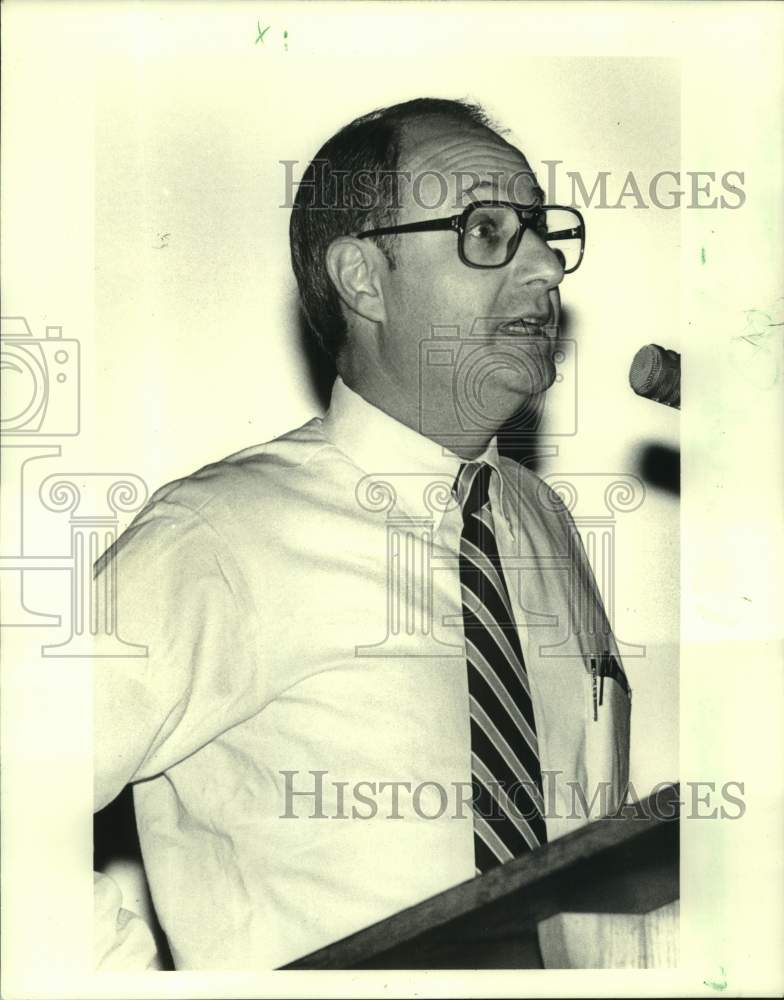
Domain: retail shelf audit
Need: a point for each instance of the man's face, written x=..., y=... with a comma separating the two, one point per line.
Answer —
x=432, y=288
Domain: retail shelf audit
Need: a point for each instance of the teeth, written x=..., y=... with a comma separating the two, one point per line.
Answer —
x=531, y=323
x=525, y=325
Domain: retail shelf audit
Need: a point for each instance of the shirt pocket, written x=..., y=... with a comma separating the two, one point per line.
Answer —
x=607, y=729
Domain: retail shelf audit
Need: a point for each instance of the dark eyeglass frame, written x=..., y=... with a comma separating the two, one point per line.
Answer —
x=527, y=217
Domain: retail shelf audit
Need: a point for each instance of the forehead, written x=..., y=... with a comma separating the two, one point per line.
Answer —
x=464, y=162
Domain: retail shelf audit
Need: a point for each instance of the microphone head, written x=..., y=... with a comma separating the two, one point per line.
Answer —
x=656, y=374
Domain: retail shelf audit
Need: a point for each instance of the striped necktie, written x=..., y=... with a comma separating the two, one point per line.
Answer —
x=505, y=771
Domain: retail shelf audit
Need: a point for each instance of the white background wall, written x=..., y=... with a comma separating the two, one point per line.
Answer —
x=129, y=121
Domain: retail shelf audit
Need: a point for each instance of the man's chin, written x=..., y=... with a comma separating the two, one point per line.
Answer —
x=534, y=372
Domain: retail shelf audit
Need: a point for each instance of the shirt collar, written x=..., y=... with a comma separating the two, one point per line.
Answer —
x=392, y=453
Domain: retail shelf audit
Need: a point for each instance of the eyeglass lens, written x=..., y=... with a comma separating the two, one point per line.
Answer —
x=490, y=235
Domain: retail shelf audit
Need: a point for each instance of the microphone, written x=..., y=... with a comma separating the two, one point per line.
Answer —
x=656, y=374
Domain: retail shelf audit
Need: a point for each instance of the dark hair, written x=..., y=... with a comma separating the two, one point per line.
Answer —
x=326, y=207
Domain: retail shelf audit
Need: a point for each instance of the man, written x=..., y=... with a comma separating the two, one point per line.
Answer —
x=369, y=672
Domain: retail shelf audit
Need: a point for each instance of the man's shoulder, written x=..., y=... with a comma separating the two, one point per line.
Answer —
x=251, y=476
x=221, y=503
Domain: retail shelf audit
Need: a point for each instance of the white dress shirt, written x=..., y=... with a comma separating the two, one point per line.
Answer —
x=300, y=607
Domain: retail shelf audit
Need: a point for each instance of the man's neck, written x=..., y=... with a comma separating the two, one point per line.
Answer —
x=396, y=403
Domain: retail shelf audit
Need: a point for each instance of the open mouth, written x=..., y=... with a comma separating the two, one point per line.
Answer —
x=531, y=326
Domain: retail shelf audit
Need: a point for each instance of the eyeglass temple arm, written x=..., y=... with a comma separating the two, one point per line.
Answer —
x=413, y=227
x=563, y=234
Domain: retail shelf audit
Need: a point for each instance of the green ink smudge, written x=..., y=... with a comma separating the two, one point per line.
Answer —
x=702, y=254
x=715, y=984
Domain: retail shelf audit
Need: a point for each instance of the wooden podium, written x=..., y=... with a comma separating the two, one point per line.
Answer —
x=626, y=864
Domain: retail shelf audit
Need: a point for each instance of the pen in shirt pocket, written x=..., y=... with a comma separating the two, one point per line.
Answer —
x=603, y=666
x=593, y=689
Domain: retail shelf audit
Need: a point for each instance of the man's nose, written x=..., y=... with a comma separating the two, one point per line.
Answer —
x=536, y=260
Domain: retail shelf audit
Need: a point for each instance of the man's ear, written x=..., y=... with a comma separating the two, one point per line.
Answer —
x=353, y=267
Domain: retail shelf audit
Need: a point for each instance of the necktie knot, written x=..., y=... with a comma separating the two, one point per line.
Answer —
x=472, y=487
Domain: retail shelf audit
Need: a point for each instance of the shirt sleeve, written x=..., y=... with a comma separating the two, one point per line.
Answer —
x=188, y=623
x=183, y=611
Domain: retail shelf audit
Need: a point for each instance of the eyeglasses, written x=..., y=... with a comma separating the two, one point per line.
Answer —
x=489, y=232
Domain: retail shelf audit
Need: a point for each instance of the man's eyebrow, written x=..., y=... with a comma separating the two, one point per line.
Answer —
x=537, y=194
